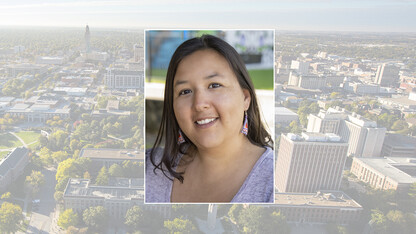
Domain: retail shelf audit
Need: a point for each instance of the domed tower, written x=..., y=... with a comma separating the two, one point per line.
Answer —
x=87, y=39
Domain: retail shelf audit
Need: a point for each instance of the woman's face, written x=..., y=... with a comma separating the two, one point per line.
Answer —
x=208, y=101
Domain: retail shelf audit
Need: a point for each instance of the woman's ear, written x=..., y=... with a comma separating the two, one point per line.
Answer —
x=247, y=99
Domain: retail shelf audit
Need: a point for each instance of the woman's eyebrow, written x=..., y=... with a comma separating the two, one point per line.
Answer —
x=213, y=75
x=180, y=82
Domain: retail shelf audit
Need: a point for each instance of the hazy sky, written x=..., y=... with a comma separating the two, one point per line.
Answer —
x=340, y=15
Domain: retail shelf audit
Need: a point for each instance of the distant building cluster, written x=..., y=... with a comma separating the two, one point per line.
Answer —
x=38, y=108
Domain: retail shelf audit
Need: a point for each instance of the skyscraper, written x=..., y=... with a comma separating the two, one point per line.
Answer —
x=387, y=75
x=311, y=162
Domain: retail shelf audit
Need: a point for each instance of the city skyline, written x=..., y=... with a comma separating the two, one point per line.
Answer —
x=316, y=15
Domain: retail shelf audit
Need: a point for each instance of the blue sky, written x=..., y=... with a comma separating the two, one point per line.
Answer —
x=316, y=15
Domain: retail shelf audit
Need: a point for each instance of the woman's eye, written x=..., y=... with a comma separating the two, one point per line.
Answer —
x=214, y=85
x=184, y=92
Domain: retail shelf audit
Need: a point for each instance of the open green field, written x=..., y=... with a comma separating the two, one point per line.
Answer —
x=262, y=78
x=28, y=136
x=7, y=141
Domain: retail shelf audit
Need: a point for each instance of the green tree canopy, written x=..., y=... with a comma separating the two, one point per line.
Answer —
x=34, y=181
x=68, y=218
x=95, y=217
x=177, y=225
x=10, y=217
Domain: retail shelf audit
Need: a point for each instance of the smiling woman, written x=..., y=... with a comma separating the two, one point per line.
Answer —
x=216, y=148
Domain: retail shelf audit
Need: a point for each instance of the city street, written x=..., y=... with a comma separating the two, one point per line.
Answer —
x=43, y=213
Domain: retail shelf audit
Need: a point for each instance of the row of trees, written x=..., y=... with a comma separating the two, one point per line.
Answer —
x=136, y=218
x=257, y=219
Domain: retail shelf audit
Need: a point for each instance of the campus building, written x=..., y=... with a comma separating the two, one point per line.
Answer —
x=364, y=138
x=108, y=157
x=117, y=198
x=311, y=162
x=318, y=208
x=397, y=145
x=395, y=173
x=284, y=116
x=124, y=79
x=12, y=166
x=387, y=75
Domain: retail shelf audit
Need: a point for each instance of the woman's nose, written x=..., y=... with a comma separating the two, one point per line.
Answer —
x=201, y=101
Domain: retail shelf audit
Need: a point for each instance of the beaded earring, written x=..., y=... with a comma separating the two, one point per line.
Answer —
x=245, y=125
x=180, y=138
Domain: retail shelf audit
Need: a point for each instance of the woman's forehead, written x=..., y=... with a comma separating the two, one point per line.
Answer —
x=202, y=63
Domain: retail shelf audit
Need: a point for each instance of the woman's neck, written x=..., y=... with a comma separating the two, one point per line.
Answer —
x=215, y=160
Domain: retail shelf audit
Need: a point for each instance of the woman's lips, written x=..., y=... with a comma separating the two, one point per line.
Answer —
x=205, y=123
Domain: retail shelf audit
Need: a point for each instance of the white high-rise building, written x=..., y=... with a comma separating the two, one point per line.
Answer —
x=124, y=79
x=387, y=75
x=311, y=162
x=300, y=66
x=365, y=139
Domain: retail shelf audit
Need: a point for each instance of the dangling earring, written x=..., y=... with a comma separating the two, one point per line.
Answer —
x=180, y=138
x=245, y=124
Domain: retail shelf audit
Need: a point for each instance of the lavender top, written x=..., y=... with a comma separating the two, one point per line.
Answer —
x=257, y=188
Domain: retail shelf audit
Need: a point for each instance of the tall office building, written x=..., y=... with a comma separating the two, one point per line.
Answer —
x=138, y=53
x=311, y=162
x=124, y=79
x=326, y=121
x=300, y=66
x=365, y=139
x=387, y=75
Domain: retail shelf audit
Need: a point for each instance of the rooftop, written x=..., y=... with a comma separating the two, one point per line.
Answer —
x=284, y=111
x=402, y=141
x=333, y=199
x=123, y=189
x=11, y=160
x=315, y=137
x=112, y=154
x=392, y=167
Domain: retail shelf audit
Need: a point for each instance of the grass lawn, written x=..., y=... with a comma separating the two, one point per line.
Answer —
x=28, y=136
x=262, y=78
x=3, y=154
x=7, y=141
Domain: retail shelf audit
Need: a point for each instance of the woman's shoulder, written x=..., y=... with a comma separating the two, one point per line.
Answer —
x=258, y=187
x=158, y=186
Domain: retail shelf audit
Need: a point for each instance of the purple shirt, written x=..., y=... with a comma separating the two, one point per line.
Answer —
x=257, y=188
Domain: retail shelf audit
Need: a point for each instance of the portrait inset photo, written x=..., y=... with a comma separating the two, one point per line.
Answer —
x=209, y=116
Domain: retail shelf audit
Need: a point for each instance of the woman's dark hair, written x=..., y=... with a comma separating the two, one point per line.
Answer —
x=169, y=128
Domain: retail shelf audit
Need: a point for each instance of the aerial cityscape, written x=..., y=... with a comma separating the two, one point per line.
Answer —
x=72, y=137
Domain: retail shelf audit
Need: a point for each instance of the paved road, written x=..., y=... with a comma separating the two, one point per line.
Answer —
x=42, y=216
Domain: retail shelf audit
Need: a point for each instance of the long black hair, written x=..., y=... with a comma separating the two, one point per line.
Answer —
x=169, y=128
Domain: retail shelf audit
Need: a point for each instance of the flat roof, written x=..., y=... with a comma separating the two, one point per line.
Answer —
x=387, y=167
x=401, y=100
x=284, y=111
x=397, y=140
x=332, y=199
x=123, y=154
x=124, y=189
